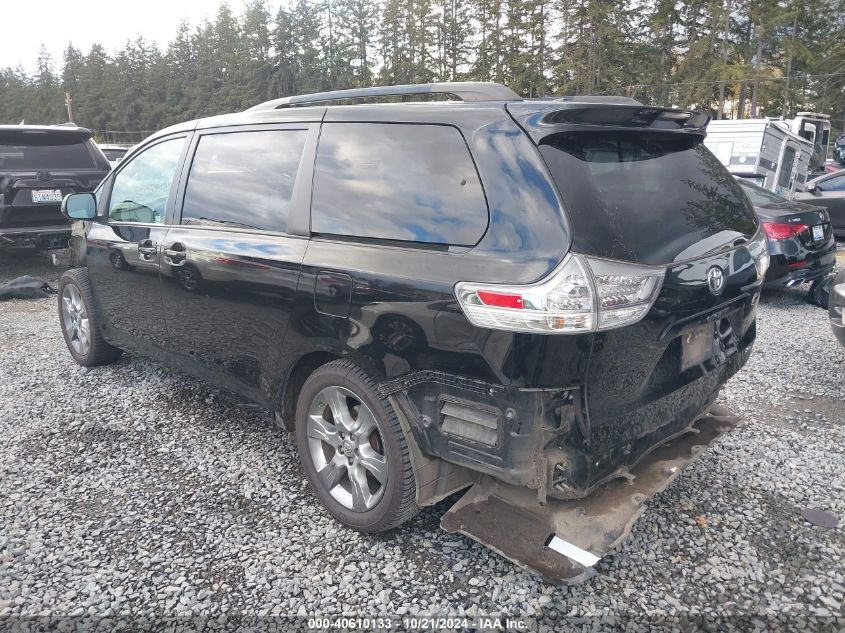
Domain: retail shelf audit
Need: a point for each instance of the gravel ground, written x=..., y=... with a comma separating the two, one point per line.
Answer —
x=132, y=492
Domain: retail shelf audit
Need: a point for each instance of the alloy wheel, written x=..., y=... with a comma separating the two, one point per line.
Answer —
x=75, y=320
x=347, y=449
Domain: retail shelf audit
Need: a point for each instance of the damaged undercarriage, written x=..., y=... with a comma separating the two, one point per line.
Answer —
x=520, y=510
x=563, y=540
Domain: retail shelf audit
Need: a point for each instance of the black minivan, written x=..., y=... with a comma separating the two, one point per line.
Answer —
x=425, y=293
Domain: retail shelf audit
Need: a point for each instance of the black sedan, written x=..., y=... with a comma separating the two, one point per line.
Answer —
x=828, y=191
x=801, y=242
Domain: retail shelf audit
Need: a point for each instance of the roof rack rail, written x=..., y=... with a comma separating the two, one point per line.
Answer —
x=476, y=91
x=609, y=99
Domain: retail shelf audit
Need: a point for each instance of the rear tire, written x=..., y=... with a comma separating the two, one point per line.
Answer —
x=365, y=477
x=819, y=292
x=79, y=324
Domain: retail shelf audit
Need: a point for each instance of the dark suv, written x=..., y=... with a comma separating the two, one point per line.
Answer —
x=432, y=294
x=39, y=165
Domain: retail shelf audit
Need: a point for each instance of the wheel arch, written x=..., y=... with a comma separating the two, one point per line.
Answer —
x=304, y=366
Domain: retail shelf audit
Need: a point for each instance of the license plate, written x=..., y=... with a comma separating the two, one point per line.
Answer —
x=818, y=233
x=697, y=345
x=46, y=195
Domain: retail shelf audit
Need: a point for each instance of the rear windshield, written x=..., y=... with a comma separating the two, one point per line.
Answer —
x=36, y=152
x=647, y=197
x=114, y=154
x=760, y=196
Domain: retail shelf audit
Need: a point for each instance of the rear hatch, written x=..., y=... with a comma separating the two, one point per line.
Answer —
x=639, y=187
x=38, y=167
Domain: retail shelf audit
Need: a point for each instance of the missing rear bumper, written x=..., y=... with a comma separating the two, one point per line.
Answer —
x=39, y=237
x=563, y=540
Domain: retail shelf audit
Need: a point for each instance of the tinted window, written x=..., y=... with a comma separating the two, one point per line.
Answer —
x=413, y=183
x=243, y=179
x=786, y=167
x=142, y=187
x=760, y=196
x=644, y=196
x=47, y=152
x=836, y=183
x=114, y=154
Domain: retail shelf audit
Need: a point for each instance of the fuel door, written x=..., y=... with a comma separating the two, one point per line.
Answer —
x=333, y=293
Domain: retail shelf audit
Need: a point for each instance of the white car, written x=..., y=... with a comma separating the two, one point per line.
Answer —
x=114, y=153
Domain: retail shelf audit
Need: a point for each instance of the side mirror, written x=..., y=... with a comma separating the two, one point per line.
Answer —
x=79, y=206
x=811, y=188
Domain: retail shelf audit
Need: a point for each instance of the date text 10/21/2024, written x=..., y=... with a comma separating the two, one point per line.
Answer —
x=419, y=623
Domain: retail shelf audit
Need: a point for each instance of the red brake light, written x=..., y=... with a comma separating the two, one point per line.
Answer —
x=499, y=299
x=782, y=231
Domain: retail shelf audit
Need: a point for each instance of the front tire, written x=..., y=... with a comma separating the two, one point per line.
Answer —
x=79, y=324
x=353, y=449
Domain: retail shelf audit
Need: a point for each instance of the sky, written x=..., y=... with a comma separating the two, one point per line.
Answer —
x=85, y=22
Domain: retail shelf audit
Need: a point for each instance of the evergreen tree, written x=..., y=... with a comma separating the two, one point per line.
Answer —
x=283, y=81
x=72, y=70
x=354, y=31
x=179, y=65
x=48, y=100
x=92, y=108
x=309, y=48
x=454, y=32
x=254, y=60
x=489, y=18
x=735, y=57
x=396, y=67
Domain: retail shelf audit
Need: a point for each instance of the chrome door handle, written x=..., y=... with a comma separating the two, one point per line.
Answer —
x=175, y=255
x=147, y=248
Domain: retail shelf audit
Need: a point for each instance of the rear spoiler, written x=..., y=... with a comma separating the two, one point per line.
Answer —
x=17, y=133
x=575, y=116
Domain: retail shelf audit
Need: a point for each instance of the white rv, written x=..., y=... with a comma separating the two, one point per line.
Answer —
x=764, y=151
x=815, y=128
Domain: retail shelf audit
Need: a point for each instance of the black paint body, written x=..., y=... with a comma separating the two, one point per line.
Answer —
x=798, y=258
x=24, y=222
x=249, y=310
x=829, y=192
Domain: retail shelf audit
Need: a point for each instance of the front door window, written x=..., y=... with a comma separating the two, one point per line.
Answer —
x=141, y=189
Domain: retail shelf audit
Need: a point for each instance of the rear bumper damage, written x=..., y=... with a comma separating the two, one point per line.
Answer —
x=564, y=539
x=54, y=236
x=785, y=274
x=545, y=440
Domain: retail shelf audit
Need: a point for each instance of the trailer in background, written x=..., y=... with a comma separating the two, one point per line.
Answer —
x=764, y=151
x=815, y=128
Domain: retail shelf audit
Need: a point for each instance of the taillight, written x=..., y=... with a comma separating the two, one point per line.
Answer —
x=583, y=294
x=779, y=231
x=758, y=247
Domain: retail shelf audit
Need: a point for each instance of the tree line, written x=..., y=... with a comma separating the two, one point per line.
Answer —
x=729, y=57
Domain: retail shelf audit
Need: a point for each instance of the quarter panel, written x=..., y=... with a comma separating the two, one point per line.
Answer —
x=404, y=318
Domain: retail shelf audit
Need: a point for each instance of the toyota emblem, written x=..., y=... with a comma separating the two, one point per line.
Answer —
x=716, y=280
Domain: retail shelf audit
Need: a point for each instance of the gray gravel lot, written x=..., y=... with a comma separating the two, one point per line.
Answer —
x=132, y=491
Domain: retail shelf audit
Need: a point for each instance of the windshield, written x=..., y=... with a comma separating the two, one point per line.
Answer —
x=649, y=197
x=760, y=196
x=114, y=154
x=45, y=152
